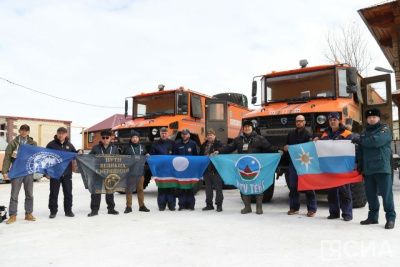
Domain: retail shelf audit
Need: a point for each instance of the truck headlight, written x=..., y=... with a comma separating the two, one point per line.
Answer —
x=321, y=119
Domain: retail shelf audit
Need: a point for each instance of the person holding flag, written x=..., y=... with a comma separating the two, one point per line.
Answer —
x=338, y=197
x=16, y=183
x=186, y=147
x=61, y=142
x=246, y=143
x=299, y=135
x=164, y=146
x=374, y=161
x=103, y=148
x=211, y=176
x=135, y=148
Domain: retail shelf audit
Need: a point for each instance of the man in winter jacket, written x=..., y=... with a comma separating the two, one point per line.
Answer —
x=61, y=142
x=103, y=148
x=211, y=176
x=246, y=143
x=135, y=148
x=186, y=147
x=298, y=136
x=374, y=161
x=338, y=197
x=164, y=146
x=16, y=183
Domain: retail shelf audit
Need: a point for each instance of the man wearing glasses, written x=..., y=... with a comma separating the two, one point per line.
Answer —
x=103, y=148
x=298, y=136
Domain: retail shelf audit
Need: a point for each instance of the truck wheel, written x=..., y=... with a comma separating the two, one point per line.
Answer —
x=358, y=195
x=267, y=196
x=269, y=193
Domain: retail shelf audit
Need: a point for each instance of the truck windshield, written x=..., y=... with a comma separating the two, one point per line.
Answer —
x=317, y=84
x=163, y=104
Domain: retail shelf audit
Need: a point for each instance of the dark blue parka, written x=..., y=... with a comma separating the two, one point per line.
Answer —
x=162, y=147
x=65, y=146
x=189, y=148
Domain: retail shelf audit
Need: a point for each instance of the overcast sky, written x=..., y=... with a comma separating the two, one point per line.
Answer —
x=102, y=51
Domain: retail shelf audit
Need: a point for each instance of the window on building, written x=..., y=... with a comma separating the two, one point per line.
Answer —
x=90, y=137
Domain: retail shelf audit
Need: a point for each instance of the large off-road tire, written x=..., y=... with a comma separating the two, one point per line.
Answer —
x=358, y=195
x=268, y=194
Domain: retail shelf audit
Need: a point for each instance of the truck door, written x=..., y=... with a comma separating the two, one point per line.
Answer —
x=217, y=118
x=377, y=93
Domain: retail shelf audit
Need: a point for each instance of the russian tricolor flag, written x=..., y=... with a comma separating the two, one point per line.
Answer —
x=324, y=164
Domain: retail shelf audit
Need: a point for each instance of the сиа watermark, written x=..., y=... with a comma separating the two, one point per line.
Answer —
x=335, y=249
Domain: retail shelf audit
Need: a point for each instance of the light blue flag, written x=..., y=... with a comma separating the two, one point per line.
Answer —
x=252, y=174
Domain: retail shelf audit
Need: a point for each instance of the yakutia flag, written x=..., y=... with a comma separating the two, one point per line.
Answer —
x=177, y=171
x=324, y=164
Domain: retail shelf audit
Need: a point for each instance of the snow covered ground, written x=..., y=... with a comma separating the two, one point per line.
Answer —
x=192, y=238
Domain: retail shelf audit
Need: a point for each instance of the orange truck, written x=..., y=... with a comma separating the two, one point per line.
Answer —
x=314, y=92
x=178, y=109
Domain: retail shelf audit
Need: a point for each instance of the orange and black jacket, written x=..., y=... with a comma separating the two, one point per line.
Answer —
x=341, y=134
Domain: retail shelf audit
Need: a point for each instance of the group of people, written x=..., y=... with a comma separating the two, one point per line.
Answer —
x=373, y=161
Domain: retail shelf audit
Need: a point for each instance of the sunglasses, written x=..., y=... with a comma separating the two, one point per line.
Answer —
x=105, y=137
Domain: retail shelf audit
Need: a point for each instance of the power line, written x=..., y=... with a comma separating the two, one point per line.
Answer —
x=57, y=97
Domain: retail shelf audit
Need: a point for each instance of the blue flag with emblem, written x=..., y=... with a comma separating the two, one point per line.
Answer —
x=252, y=174
x=33, y=159
x=181, y=172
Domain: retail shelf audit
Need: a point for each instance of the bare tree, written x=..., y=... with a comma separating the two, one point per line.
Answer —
x=347, y=45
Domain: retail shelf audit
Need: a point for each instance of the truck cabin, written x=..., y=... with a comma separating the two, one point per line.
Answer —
x=315, y=92
x=305, y=84
x=164, y=108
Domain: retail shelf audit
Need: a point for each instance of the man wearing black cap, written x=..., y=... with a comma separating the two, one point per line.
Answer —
x=338, y=197
x=374, y=161
x=186, y=147
x=135, y=148
x=246, y=143
x=9, y=157
x=103, y=148
x=164, y=146
x=61, y=142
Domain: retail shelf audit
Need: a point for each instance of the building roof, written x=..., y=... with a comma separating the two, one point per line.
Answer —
x=109, y=123
x=380, y=20
x=33, y=119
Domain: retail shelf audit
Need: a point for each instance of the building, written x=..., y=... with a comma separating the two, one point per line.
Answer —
x=92, y=135
x=42, y=130
x=383, y=21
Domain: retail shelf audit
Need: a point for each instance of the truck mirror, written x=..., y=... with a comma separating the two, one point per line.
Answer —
x=126, y=108
x=352, y=80
x=254, y=100
x=254, y=89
